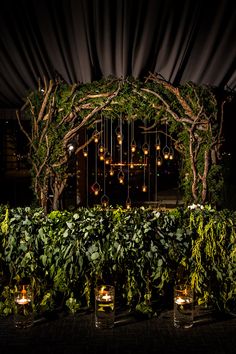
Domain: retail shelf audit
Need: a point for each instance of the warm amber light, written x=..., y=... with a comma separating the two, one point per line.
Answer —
x=85, y=153
x=144, y=188
x=171, y=157
x=166, y=156
x=133, y=148
x=158, y=147
x=111, y=172
x=131, y=165
x=101, y=148
x=101, y=157
x=96, y=139
x=96, y=192
x=128, y=205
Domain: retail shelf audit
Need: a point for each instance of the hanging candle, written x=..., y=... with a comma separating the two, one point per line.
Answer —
x=105, y=201
x=159, y=161
x=145, y=149
x=166, y=152
x=101, y=148
x=96, y=188
x=144, y=188
x=171, y=155
x=111, y=172
x=128, y=203
x=121, y=177
x=133, y=146
x=158, y=143
x=96, y=136
x=85, y=152
x=107, y=158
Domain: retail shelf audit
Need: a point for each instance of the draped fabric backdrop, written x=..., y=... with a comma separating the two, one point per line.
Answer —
x=85, y=40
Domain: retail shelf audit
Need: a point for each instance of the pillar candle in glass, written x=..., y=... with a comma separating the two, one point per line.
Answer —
x=23, y=307
x=104, y=306
x=183, y=306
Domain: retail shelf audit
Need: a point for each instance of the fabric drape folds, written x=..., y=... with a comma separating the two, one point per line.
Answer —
x=85, y=40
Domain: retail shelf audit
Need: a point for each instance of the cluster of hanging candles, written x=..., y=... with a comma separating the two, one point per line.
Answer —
x=105, y=154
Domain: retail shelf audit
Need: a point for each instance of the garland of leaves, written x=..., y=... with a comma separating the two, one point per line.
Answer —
x=143, y=252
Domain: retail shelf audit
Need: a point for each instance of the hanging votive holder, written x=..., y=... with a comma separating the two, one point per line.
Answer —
x=159, y=161
x=121, y=177
x=166, y=152
x=144, y=188
x=145, y=149
x=105, y=201
x=96, y=188
x=85, y=152
x=96, y=136
x=111, y=172
x=171, y=155
x=133, y=146
x=107, y=158
x=23, y=306
x=128, y=203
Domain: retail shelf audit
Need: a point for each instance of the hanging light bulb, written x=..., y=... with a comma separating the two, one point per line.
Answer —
x=145, y=149
x=121, y=177
x=96, y=188
x=105, y=201
x=131, y=164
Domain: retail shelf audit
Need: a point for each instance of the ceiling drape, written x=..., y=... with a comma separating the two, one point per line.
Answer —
x=85, y=40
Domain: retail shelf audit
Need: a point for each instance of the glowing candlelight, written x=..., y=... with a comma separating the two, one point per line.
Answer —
x=180, y=301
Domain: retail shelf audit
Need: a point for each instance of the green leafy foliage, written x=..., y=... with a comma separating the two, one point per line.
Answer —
x=143, y=252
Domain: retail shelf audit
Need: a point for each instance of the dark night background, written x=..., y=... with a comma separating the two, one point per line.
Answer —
x=82, y=41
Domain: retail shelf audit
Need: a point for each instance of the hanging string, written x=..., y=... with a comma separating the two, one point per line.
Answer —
x=121, y=144
x=156, y=143
x=149, y=175
x=87, y=184
x=128, y=200
x=111, y=151
x=121, y=173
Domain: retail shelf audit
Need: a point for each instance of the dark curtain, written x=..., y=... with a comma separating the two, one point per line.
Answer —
x=85, y=40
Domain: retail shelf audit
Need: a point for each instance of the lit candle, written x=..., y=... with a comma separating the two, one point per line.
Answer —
x=23, y=299
x=106, y=296
x=179, y=300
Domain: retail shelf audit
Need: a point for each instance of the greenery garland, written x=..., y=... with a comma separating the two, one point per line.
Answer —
x=143, y=252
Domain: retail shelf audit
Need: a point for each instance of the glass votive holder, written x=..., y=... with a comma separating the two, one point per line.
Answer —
x=183, y=306
x=104, y=306
x=23, y=307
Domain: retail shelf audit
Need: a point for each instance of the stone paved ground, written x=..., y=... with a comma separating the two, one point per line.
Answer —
x=77, y=335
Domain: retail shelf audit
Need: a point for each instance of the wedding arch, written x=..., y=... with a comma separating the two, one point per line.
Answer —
x=58, y=112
